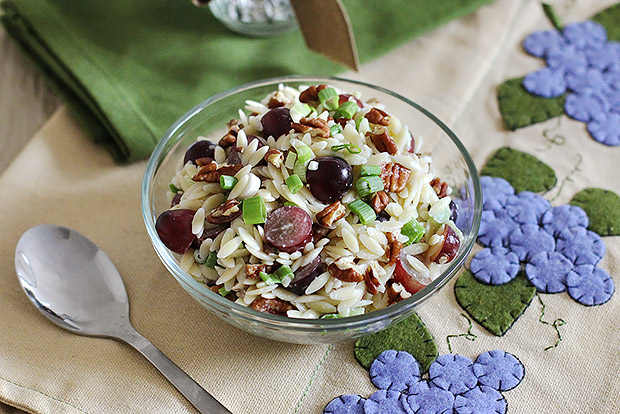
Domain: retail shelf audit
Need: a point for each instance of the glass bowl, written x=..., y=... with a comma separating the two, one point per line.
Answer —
x=450, y=158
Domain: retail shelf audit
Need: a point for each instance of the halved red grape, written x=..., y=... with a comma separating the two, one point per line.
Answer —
x=406, y=275
x=329, y=178
x=411, y=143
x=346, y=97
x=454, y=211
x=176, y=199
x=288, y=229
x=234, y=156
x=174, y=228
x=450, y=247
x=305, y=275
x=276, y=122
x=199, y=149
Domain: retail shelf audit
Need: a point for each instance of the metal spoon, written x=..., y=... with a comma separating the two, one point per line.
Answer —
x=76, y=286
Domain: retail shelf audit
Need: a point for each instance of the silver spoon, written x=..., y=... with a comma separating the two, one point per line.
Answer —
x=76, y=286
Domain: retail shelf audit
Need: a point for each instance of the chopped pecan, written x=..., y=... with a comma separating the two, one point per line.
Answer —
x=394, y=290
x=394, y=176
x=203, y=161
x=274, y=306
x=275, y=103
x=393, y=248
x=311, y=95
x=230, y=138
x=333, y=212
x=216, y=289
x=317, y=127
x=372, y=282
x=377, y=116
x=252, y=271
x=232, y=123
x=343, y=269
x=382, y=140
x=225, y=213
x=274, y=157
x=379, y=200
x=440, y=187
x=210, y=173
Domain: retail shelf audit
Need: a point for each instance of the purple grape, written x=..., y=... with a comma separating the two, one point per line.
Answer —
x=176, y=199
x=199, y=149
x=234, y=156
x=329, y=178
x=174, y=228
x=305, y=275
x=288, y=229
x=276, y=122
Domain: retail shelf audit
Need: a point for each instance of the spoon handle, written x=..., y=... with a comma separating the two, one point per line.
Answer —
x=201, y=399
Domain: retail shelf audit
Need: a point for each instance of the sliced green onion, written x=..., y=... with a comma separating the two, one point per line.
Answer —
x=304, y=155
x=335, y=129
x=368, y=185
x=370, y=170
x=198, y=258
x=290, y=204
x=364, y=211
x=227, y=182
x=300, y=110
x=290, y=160
x=269, y=279
x=223, y=292
x=174, y=188
x=440, y=211
x=347, y=110
x=331, y=316
x=353, y=149
x=254, y=210
x=414, y=230
x=329, y=98
x=211, y=260
x=282, y=272
x=358, y=121
x=294, y=183
x=356, y=311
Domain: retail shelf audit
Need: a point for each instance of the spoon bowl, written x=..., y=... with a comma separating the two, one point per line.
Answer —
x=73, y=283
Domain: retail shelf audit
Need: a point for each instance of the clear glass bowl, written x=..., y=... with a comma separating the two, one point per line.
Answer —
x=452, y=163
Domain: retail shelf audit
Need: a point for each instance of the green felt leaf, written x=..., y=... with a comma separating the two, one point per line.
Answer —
x=610, y=19
x=496, y=308
x=519, y=108
x=603, y=210
x=523, y=171
x=407, y=335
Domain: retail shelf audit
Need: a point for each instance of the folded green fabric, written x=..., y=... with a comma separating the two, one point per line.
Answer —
x=129, y=69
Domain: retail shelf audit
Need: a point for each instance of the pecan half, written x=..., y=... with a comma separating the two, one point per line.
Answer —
x=343, y=269
x=274, y=306
x=382, y=140
x=440, y=187
x=394, y=176
x=393, y=248
x=225, y=213
x=377, y=116
x=252, y=271
x=230, y=138
x=372, y=282
x=203, y=161
x=393, y=291
x=210, y=173
x=317, y=127
x=274, y=157
x=333, y=212
x=379, y=200
x=311, y=95
x=275, y=103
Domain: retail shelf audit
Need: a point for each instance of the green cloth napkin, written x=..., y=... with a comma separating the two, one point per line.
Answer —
x=129, y=69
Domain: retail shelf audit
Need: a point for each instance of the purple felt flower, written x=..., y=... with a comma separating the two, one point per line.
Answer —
x=495, y=228
x=612, y=77
x=586, y=35
x=591, y=79
x=540, y=43
x=590, y=285
x=453, y=373
x=567, y=60
x=527, y=207
x=345, y=404
x=495, y=266
x=606, y=130
x=386, y=402
x=604, y=58
x=495, y=192
x=499, y=370
x=613, y=98
x=394, y=370
x=480, y=400
x=426, y=398
x=548, y=271
x=545, y=82
x=586, y=106
x=558, y=218
x=529, y=240
x=580, y=246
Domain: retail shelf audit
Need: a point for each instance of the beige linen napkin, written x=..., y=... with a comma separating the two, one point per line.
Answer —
x=62, y=178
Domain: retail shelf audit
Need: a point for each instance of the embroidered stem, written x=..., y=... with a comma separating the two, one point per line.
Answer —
x=552, y=16
x=556, y=324
x=568, y=177
x=312, y=377
x=556, y=139
x=467, y=335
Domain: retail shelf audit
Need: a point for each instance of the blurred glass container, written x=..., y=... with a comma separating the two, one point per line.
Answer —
x=258, y=18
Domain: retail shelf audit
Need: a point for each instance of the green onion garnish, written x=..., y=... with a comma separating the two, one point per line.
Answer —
x=294, y=183
x=331, y=316
x=358, y=121
x=414, y=230
x=290, y=204
x=364, y=211
x=290, y=160
x=282, y=272
x=211, y=260
x=335, y=129
x=174, y=188
x=269, y=279
x=369, y=185
x=227, y=182
x=300, y=110
x=223, y=292
x=198, y=258
x=347, y=110
x=254, y=210
x=329, y=98
x=304, y=155
x=370, y=170
x=353, y=149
